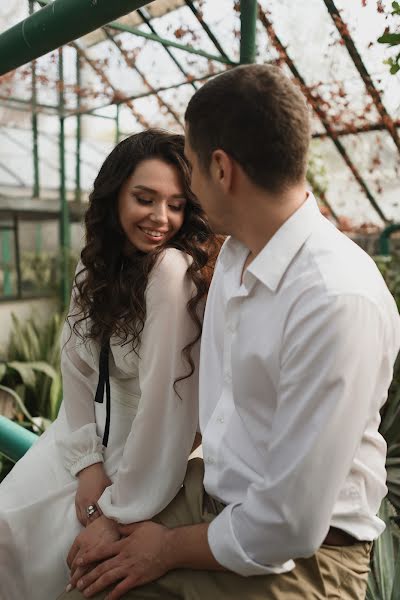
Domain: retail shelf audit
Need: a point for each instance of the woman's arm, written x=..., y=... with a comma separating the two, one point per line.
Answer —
x=157, y=449
x=79, y=444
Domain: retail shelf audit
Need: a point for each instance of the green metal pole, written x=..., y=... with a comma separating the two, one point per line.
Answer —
x=248, y=21
x=64, y=211
x=35, y=152
x=78, y=131
x=38, y=238
x=26, y=102
x=383, y=242
x=14, y=439
x=167, y=50
x=58, y=23
x=143, y=95
x=169, y=43
x=17, y=255
x=117, y=128
x=6, y=260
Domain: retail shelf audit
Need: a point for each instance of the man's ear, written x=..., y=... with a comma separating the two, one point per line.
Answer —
x=221, y=169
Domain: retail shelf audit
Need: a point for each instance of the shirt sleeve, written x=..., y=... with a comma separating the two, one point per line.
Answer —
x=80, y=446
x=333, y=375
x=157, y=449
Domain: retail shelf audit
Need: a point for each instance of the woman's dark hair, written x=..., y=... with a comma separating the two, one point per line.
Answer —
x=110, y=289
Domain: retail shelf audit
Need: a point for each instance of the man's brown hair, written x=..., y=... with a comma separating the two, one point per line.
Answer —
x=257, y=116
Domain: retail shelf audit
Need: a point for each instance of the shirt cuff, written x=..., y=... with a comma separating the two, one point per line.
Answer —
x=81, y=448
x=86, y=461
x=229, y=553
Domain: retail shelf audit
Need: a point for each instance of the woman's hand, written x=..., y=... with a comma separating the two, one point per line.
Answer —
x=92, y=482
x=97, y=536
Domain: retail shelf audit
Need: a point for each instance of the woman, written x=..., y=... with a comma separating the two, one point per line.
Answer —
x=119, y=448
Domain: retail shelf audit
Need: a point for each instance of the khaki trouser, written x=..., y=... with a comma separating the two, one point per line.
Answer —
x=334, y=572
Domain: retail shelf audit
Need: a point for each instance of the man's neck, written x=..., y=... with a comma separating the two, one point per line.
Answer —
x=258, y=216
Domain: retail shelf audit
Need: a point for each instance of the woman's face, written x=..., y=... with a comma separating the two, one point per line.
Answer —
x=151, y=204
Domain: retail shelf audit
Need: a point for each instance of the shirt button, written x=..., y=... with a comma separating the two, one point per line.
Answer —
x=228, y=377
x=220, y=419
x=209, y=460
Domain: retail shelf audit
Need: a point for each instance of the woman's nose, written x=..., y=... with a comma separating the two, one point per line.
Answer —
x=159, y=214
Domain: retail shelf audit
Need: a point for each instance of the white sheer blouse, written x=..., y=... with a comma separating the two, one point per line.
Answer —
x=152, y=428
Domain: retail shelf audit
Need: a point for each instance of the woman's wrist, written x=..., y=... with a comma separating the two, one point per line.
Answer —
x=95, y=470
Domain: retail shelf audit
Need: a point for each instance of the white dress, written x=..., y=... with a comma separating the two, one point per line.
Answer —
x=150, y=438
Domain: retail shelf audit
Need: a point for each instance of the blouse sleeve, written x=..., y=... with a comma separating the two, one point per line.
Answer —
x=79, y=444
x=157, y=449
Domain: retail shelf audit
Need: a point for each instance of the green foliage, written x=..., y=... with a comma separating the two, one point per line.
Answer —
x=384, y=579
x=392, y=38
x=31, y=388
x=389, y=266
x=35, y=350
x=41, y=272
x=316, y=171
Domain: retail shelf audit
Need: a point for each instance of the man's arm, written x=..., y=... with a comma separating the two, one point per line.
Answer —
x=146, y=552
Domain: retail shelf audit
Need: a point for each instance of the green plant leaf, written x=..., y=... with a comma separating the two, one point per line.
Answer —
x=384, y=553
x=18, y=401
x=43, y=367
x=55, y=397
x=396, y=581
x=25, y=371
x=393, y=39
x=372, y=588
x=396, y=8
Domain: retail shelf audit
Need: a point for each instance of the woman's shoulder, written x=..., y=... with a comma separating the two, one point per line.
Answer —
x=169, y=271
x=172, y=261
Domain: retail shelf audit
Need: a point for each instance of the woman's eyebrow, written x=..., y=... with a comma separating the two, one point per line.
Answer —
x=151, y=191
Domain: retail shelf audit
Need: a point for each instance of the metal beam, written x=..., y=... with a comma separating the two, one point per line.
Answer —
x=108, y=83
x=169, y=43
x=248, y=22
x=167, y=50
x=317, y=108
x=132, y=65
x=34, y=121
x=5, y=236
x=78, y=131
x=17, y=255
x=57, y=24
x=361, y=68
x=206, y=28
x=123, y=100
x=24, y=105
x=353, y=130
x=117, y=127
x=65, y=240
x=13, y=174
x=44, y=160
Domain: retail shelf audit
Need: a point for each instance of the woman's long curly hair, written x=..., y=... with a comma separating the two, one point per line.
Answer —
x=110, y=290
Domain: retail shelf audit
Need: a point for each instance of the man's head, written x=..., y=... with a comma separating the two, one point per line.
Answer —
x=253, y=118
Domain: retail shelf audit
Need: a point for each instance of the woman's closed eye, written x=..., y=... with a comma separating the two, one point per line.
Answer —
x=176, y=207
x=143, y=201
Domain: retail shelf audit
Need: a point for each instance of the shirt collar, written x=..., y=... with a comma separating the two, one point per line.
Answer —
x=271, y=263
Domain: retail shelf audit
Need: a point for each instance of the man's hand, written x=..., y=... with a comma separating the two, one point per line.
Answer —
x=92, y=482
x=141, y=556
x=95, y=538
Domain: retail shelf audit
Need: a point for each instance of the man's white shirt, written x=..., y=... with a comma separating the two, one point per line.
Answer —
x=295, y=365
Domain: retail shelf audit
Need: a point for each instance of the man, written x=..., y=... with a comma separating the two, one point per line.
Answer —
x=300, y=336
